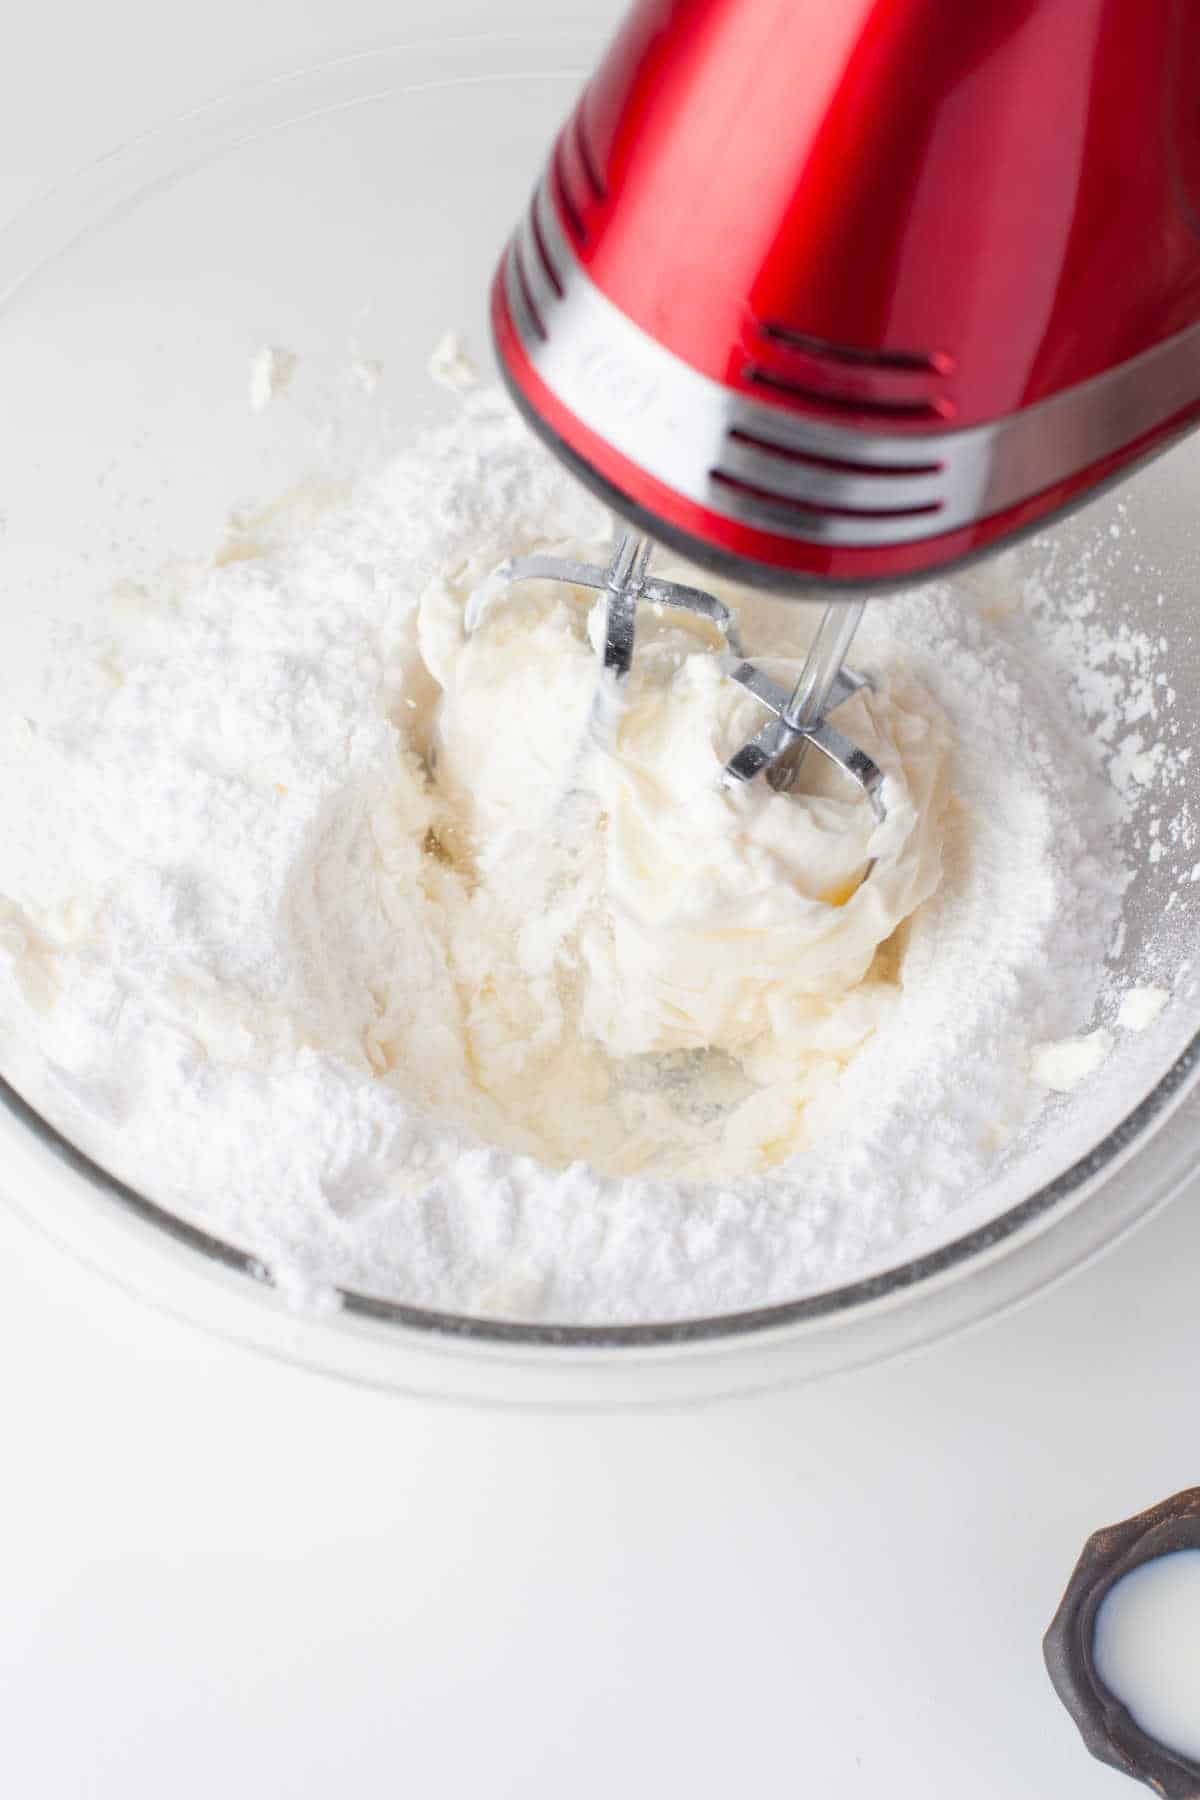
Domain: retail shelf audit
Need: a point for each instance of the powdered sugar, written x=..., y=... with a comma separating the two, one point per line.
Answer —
x=240, y=992
x=271, y=371
x=1140, y=1007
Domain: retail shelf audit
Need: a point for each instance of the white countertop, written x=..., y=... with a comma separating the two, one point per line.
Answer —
x=227, y=1577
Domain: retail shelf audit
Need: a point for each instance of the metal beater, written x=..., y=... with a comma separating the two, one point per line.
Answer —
x=797, y=719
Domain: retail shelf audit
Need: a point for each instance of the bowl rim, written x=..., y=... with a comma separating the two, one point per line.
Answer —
x=842, y=1302
x=50, y=224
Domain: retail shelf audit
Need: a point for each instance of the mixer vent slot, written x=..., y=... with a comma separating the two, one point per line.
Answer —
x=799, y=508
x=539, y=245
x=924, y=362
x=837, y=464
x=562, y=189
x=587, y=160
x=918, y=411
x=575, y=173
x=525, y=288
x=800, y=482
x=905, y=387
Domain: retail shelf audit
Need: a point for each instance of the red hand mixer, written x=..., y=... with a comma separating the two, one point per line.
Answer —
x=844, y=291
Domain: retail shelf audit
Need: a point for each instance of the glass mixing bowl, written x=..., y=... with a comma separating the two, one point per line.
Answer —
x=357, y=210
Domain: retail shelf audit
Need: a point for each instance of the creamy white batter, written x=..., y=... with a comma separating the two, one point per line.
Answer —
x=611, y=899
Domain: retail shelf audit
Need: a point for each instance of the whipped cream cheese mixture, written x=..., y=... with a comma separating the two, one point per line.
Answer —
x=411, y=960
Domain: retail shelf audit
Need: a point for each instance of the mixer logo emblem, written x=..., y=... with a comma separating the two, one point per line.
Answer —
x=623, y=387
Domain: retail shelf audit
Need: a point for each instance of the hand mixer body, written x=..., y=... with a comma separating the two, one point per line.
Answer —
x=851, y=291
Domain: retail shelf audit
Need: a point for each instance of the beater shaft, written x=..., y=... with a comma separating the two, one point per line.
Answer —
x=810, y=697
x=624, y=580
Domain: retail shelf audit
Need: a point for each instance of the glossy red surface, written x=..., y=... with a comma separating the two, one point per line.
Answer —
x=903, y=215
x=987, y=186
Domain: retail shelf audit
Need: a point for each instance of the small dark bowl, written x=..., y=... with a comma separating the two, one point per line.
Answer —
x=1106, y=1726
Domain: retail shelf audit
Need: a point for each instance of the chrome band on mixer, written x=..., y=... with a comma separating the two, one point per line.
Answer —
x=688, y=431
